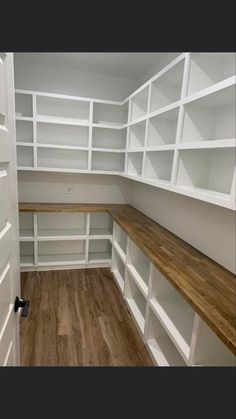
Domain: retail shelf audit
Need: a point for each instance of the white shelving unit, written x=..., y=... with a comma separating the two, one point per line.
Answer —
x=53, y=240
x=188, y=105
x=170, y=328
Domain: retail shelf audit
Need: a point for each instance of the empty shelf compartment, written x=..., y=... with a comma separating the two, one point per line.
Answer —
x=99, y=251
x=139, y=265
x=207, y=171
x=136, y=302
x=23, y=105
x=167, y=88
x=100, y=224
x=61, y=225
x=158, y=165
x=135, y=164
x=62, y=110
x=26, y=254
x=62, y=134
x=209, y=350
x=109, y=138
x=211, y=117
x=137, y=135
x=139, y=104
x=162, y=128
x=174, y=312
x=110, y=162
x=207, y=69
x=25, y=156
x=62, y=159
x=26, y=225
x=160, y=345
x=109, y=114
x=24, y=131
x=118, y=269
x=61, y=252
x=120, y=238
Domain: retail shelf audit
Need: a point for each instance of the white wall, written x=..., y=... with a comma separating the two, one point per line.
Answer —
x=52, y=187
x=209, y=228
x=66, y=81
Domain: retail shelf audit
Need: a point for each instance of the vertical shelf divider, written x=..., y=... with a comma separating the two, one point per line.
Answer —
x=35, y=220
x=87, y=238
x=34, y=130
x=89, y=163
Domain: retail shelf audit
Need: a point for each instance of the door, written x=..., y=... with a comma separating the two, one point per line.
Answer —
x=9, y=234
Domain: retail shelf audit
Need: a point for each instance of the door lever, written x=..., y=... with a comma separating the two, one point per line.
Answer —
x=24, y=304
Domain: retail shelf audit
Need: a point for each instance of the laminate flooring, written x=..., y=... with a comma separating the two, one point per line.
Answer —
x=78, y=318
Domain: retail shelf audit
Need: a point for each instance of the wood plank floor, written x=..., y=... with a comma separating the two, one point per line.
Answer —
x=78, y=318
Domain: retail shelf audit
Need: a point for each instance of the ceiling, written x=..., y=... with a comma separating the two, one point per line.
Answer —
x=132, y=65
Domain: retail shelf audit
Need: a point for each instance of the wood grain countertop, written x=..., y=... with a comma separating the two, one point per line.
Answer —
x=206, y=285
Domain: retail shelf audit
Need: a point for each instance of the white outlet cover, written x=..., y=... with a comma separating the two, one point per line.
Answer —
x=69, y=189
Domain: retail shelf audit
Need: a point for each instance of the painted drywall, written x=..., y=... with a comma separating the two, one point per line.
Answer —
x=209, y=228
x=53, y=187
x=66, y=81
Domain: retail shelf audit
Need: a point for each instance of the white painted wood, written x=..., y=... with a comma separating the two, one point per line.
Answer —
x=136, y=302
x=9, y=229
x=139, y=265
x=158, y=165
x=118, y=269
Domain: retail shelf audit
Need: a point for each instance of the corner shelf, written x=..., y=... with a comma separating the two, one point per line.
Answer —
x=99, y=251
x=139, y=104
x=135, y=163
x=110, y=114
x=108, y=161
x=137, y=135
x=100, y=225
x=109, y=138
x=120, y=241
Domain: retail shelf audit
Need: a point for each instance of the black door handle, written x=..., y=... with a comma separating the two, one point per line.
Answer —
x=24, y=304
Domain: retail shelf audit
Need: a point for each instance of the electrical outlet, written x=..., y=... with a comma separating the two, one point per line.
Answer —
x=69, y=189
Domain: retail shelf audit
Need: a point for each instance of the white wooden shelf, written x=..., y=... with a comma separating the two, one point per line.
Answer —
x=139, y=267
x=118, y=269
x=161, y=347
x=161, y=135
x=136, y=302
x=120, y=241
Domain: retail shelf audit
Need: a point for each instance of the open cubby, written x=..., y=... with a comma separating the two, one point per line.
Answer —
x=210, y=350
x=139, y=265
x=109, y=138
x=158, y=165
x=137, y=135
x=26, y=225
x=62, y=134
x=134, y=164
x=120, y=238
x=136, y=301
x=61, y=252
x=160, y=345
x=207, y=170
x=162, y=128
x=173, y=310
x=118, y=269
x=27, y=253
x=139, y=104
x=100, y=224
x=25, y=156
x=23, y=105
x=167, y=88
x=61, y=224
x=24, y=131
x=99, y=251
x=57, y=109
x=108, y=114
x=106, y=161
x=62, y=158
x=207, y=69
x=211, y=117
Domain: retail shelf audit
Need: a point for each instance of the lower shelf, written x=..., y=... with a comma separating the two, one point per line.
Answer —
x=100, y=257
x=160, y=345
x=62, y=259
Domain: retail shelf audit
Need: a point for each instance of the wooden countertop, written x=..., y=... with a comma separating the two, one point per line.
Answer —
x=206, y=285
